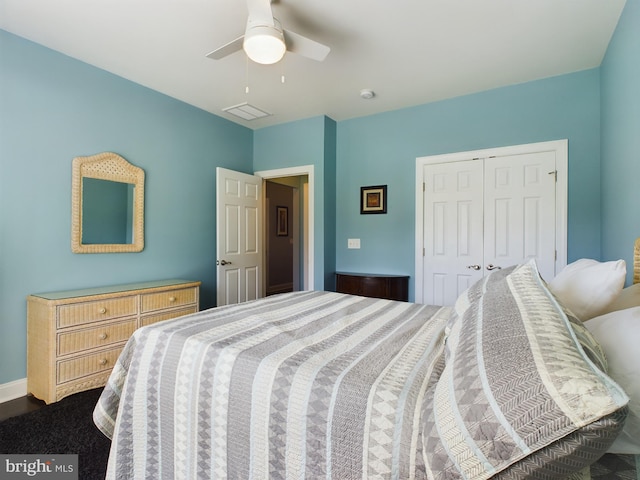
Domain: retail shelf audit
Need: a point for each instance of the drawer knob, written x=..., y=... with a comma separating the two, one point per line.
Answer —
x=103, y=336
x=102, y=361
x=102, y=310
x=172, y=299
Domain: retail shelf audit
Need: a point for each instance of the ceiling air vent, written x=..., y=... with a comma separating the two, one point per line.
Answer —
x=246, y=111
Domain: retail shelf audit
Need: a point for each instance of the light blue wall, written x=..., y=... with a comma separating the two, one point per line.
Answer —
x=382, y=149
x=53, y=109
x=620, y=73
x=306, y=142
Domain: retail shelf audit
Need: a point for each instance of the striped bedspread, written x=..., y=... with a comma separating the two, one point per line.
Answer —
x=301, y=385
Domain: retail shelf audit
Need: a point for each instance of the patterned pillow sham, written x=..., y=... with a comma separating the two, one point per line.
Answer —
x=518, y=397
x=475, y=291
x=468, y=297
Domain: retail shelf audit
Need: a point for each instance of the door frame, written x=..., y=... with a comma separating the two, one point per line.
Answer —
x=562, y=160
x=308, y=170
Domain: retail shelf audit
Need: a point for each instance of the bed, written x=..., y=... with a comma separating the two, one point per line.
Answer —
x=507, y=383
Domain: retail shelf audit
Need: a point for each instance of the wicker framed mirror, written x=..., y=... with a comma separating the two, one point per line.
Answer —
x=107, y=205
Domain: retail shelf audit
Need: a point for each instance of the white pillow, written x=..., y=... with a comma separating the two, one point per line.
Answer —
x=629, y=297
x=618, y=333
x=587, y=287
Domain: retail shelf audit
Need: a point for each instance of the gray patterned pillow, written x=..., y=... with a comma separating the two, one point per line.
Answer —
x=518, y=397
x=475, y=291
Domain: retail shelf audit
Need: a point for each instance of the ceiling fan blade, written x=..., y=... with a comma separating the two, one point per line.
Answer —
x=304, y=46
x=260, y=12
x=231, y=47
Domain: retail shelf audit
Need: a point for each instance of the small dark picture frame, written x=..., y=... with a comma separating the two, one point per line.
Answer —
x=373, y=199
x=282, y=221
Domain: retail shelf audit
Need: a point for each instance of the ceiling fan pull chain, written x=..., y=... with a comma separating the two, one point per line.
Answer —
x=283, y=76
x=246, y=88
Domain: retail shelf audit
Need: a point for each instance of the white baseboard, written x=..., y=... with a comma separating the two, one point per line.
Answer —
x=12, y=390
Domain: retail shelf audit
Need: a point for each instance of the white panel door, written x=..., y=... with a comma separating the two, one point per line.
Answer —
x=520, y=211
x=523, y=210
x=239, y=250
x=453, y=229
x=485, y=214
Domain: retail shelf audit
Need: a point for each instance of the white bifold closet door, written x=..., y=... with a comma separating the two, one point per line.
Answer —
x=484, y=214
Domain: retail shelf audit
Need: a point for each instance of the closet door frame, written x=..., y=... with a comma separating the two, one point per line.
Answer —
x=560, y=147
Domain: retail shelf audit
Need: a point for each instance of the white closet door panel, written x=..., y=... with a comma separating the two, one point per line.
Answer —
x=520, y=213
x=453, y=229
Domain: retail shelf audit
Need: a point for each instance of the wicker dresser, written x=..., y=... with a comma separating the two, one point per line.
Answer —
x=74, y=337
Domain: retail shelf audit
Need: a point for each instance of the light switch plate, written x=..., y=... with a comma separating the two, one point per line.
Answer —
x=353, y=243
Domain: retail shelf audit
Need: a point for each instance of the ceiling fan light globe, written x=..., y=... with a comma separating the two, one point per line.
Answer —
x=264, y=44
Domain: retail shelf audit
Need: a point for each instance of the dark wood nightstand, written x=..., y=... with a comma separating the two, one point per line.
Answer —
x=392, y=287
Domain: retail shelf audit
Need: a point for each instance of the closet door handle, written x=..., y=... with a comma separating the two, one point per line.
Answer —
x=474, y=267
x=491, y=266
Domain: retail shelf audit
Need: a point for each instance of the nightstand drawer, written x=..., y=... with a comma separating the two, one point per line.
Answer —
x=88, y=338
x=392, y=287
x=87, y=312
x=174, y=298
x=79, y=367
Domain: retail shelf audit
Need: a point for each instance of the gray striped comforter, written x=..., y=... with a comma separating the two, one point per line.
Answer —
x=301, y=385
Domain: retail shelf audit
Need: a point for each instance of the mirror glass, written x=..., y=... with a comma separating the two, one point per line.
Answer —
x=107, y=211
x=107, y=205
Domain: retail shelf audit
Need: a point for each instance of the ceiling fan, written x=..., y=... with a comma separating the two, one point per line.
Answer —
x=265, y=41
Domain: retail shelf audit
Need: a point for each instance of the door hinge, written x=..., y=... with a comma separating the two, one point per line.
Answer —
x=555, y=175
x=423, y=251
x=424, y=188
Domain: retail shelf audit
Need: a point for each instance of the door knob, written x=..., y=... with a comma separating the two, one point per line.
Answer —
x=223, y=262
x=474, y=267
x=491, y=266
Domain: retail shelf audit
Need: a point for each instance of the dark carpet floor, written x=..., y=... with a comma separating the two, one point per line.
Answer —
x=60, y=428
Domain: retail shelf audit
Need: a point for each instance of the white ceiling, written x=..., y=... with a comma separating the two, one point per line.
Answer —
x=409, y=52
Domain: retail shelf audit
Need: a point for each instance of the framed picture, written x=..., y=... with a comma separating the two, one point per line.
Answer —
x=282, y=221
x=373, y=199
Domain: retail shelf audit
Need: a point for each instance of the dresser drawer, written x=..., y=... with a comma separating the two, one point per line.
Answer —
x=83, y=366
x=88, y=338
x=159, y=317
x=87, y=312
x=169, y=299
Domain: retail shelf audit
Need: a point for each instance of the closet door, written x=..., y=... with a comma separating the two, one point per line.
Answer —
x=519, y=211
x=453, y=229
x=485, y=214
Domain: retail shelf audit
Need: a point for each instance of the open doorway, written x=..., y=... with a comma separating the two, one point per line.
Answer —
x=288, y=228
x=282, y=236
